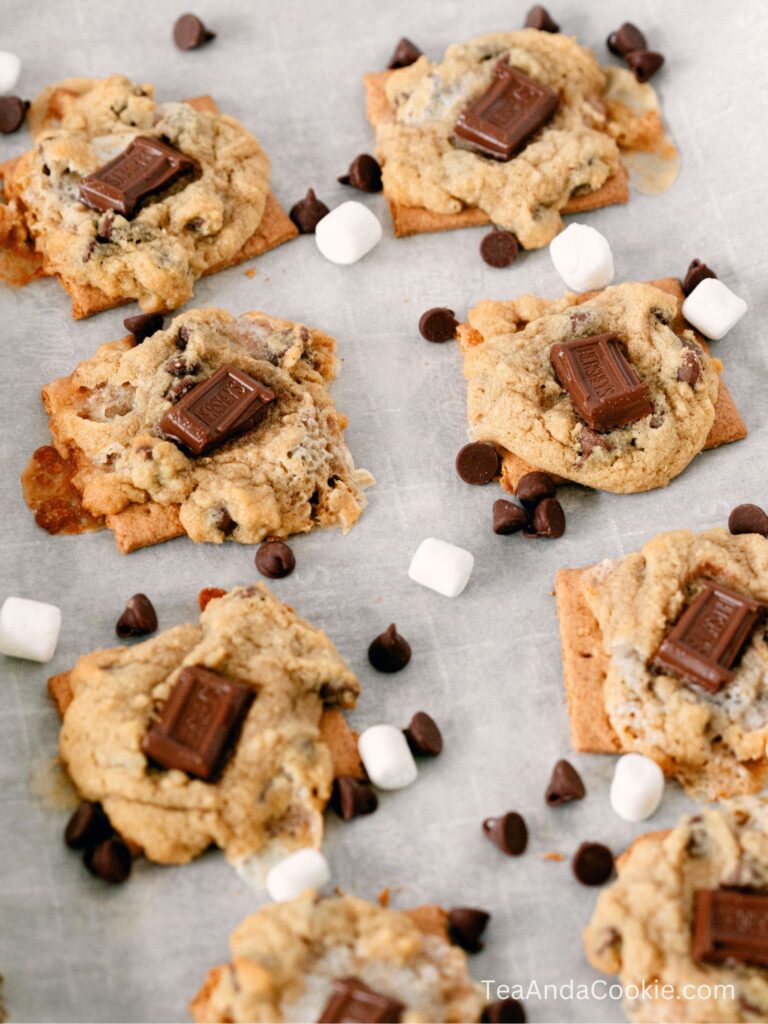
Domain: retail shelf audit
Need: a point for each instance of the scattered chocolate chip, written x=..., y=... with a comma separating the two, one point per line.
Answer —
x=592, y=864
x=89, y=250
x=695, y=274
x=389, y=652
x=509, y=833
x=138, y=619
x=275, y=559
x=404, y=54
x=508, y=517
x=308, y=212
x=189, y=32
x=534, y=487
x=466, y=925
x=626, y=39
x=111, y=860
x=590, y=440
x=478, y=463
x=182, y=339
x=351, y=798
x=499, y=248
x=104, y=228
x=548, y=520
x=87, y=827
x=179, y=388
x=657, y=419
x=178, y=367
x=644, y=64
x=540, y=18
x=143, y=325
x=504, y=1011
x=438, y=324
x=689, y=370
x=565, y=785
x=12, y=113
x=223, y=521
x=364, y=173
x=748, y=519
x=423, y=736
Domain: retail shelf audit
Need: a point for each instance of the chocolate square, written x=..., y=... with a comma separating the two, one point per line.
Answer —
x=730, y=925
x=605, y=390
x=228, y=403
x=708, y=638
x=510, y=111
x=147, y=166
x=353, y=1001
x=198, y=722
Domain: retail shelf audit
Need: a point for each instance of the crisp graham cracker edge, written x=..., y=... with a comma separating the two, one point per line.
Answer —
x=415, y=220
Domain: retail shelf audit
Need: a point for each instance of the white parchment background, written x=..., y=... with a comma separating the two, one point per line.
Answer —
x=487, y=664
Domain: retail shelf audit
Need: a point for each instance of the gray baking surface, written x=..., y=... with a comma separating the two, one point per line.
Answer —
x=486, y=664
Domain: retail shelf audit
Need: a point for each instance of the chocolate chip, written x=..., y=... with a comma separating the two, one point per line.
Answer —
x=364, y=173
x=389, y=652
x=182, y=339
x=438, y=324
x=104, y=229
x=509, y=833
x=111, y=860
x=351, y=798
x=87, y=827
x=178, y=367
x=565, y=785
x=189, y=32
x=478, y=463
x=423, y=736
x=274, y=559
x=748, y=519
x=504, y=1011
x=540, y=18
x=499, y=248
x=466, y=925
x=590, y=440
x=592, y=864
x=534, y=487
x=508, y=517
x=548, y=520
x=404, y=54
x=644, y=64
x=689, y=370
x=89, y=251
x=308, y=212
x=626, y=39
x=223, y=521
x=143, y=325
x=695, y=274
x=138, y=619
x=179, y=388
x=12, y=113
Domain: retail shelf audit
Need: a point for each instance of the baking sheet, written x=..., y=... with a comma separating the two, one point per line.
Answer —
x=486, y=665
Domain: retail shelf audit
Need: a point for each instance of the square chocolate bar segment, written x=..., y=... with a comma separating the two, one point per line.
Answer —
x=708, y=638
x=730, y=925
x=351, y=1000
x=510, y=111
x=605, y=390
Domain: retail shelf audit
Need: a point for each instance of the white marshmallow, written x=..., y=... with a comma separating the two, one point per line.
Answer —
x=347, y=233
x=304, y=869
x=387, y=757
x=10, y=69
x=713, y=309
x=441, y=566
x=637, y=787
x=29, y=629
x=582, y=257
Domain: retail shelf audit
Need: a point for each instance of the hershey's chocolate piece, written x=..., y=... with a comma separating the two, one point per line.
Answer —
x=198, y=722
x=226, y=404
x=510, y=111
x=404, y=54
x=600, y=381
x=352, y=1000
x=707, y=639
x=730, y=924
x=145, y=167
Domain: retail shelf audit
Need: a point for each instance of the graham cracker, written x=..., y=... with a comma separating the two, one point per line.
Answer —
x=141, y=526
x=415, y=220
x=727, y=425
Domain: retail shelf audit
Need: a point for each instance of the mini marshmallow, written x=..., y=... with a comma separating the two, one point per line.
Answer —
x=10, y=69
x=304, y=869
x=713, y=309
x=347, y=233
x=29, y=629
x=637, y=787
x=387, y=757
x=582, y=257
x=441, y=566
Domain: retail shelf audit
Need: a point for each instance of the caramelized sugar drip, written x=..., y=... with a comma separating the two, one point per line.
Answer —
x=50, y=493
